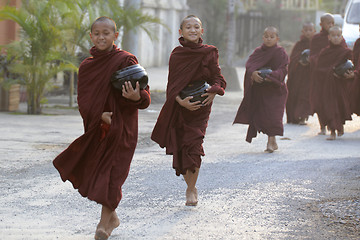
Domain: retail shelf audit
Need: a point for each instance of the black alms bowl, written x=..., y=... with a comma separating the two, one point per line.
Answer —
x=304, y=58
x=195, y=89
x=134, y=73
x=263, y=72
x=343, y=68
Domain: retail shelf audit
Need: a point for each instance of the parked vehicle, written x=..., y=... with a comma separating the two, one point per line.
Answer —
x=351, y=22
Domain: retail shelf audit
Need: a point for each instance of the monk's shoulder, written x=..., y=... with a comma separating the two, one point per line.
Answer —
x=124, y=58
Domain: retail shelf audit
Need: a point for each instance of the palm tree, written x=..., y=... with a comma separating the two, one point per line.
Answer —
x=37, y=52
x=130, y=18
x=53, y=32
x=76, y=16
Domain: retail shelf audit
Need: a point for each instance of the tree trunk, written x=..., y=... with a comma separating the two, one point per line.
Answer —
x=229, y=70
x=231, y=33
x=71, y=89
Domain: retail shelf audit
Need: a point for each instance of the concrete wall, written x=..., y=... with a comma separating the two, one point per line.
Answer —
x=8, y=29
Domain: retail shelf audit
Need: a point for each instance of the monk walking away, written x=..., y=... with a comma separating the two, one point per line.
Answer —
x=98, y=162
x=298, y=106
x=182, y=122
x=335, y=105
x=265, y=91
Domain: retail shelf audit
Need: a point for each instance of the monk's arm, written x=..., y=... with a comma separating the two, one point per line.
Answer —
x=278, y=75
x=217, y=81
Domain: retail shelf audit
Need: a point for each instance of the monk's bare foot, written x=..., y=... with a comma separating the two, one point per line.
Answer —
x=302, y=121
x=332, y=136
x=101, y=234
x=114, y=222
x=322, y=131
x=191, y=197
x=340, y=132
x=271, y=146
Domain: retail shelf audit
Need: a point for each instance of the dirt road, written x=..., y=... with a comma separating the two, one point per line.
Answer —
x=309, y=189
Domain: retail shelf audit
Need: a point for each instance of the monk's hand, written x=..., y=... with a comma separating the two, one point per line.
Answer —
x=256, y=77
x=209, y=97
x=192, y=106
x=267, y=80
x=349, y=74
x=106, y=117
x=130, y=93
x=304, y=64
x=336, y=75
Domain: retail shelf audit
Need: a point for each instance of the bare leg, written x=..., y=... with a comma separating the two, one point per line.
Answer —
x=191, y=191
x=341, y=132
x=271, y=145
x=106, y=214
x=332, y=135
x=322, y=127
x=113, y=223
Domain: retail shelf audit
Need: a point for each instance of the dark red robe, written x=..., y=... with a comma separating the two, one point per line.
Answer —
x=298, y=84
x=177, y=129
x=355, y=85
x=318, y=42
x=263, y=104
x=97, y=163
x=356, y=52
x=335, y=105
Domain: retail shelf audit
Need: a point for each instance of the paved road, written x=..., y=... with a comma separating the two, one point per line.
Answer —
x=309, y=189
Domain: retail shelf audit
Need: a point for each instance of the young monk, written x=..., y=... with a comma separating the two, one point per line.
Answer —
x=181, y=124
x=318, y=42
x=335, y=104
x=97, y=163
x=262, y=107
x=355, y=85
x=298, y=83
x=356, y=50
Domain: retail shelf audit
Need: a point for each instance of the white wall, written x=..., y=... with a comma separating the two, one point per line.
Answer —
x=155, y=53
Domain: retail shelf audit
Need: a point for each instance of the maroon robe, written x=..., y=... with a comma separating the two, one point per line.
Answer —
x=263, y=104
x=318, y=42
x=355, y=85
x=298, y=84
x=177, y=129
x=335, y=104
x=356, y=52
x=97, y=163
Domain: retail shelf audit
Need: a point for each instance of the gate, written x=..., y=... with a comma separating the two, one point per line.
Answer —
x=249, y=29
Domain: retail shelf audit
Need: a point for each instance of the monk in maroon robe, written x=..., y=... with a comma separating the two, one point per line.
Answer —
x=298, y=83
x=181, y=125
x=318, y=42
x=355, y=88
x=355, y=85
x=98, y=162
x=335, y=104
x=262, y=107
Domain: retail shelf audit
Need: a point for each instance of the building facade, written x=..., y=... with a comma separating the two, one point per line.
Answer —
x=155, y=53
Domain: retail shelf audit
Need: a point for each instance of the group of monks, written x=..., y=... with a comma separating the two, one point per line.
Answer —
x=97, y=163
x=313, y=85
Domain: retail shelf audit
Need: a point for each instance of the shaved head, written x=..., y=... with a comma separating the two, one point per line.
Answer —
x=327, y=17
x=272, y=29
x=104, y=19
x=188, y=17
x=335, y=29
x=308, y=24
